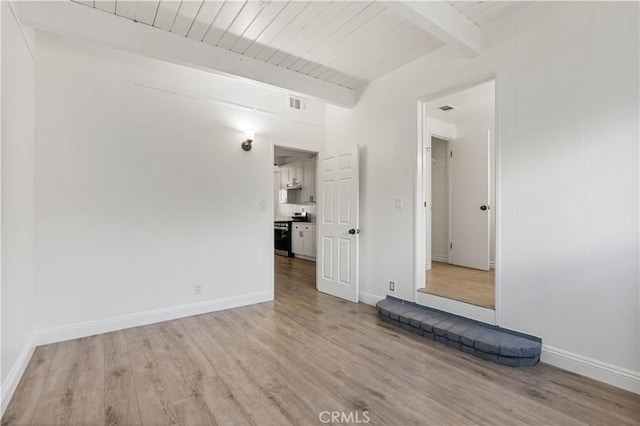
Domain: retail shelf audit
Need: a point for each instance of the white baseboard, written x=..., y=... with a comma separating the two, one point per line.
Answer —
x=598, y=370
x=91, y=328
x=370, y=299
x=438, y=258
x=303, y=257
x=15, y=373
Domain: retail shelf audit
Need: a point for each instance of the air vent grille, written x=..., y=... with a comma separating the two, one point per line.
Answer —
x=296, y=103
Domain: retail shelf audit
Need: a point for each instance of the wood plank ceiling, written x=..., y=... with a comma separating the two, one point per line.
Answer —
x=347, y=43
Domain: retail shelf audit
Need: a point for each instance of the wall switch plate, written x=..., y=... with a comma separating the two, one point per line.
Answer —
x=398, y=203
x=262, y=204
x=197, y=289
x=392, y=286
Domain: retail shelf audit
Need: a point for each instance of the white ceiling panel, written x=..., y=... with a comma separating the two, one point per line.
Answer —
x=106, y=5
x=291, y=31
x=292, y=10
x=203, y=20
x=347, y=14
x=258, y=26
x=226, y=17
x=146, y=11
x=166, y=14
x=185, y=16
x=241, y=23
x=126, y=8
x=345, y=43
x=483, y=13
x=319, y=28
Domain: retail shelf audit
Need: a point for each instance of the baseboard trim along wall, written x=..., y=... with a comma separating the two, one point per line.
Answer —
x=91, y=328
x=589, y=367
x=439, y=258
x=369, y=299
x=15, y=374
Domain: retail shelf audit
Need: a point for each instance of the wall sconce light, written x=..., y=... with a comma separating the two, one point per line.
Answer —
x=249, y=134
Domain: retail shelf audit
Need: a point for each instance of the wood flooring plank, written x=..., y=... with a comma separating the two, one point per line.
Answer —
x=115, y=343
x=55, y=402
x=121, y=397
x=87, y=407
x=181, y=374
x=220, y=398
x=23, y=404
x=155, y=406
x=283, y=362
x=246, y=393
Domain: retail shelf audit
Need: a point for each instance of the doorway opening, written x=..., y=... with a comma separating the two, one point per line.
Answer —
x=294, y=192
x=459, y=190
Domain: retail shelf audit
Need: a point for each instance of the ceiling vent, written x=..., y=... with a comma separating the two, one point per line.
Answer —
x=296, y=103
x=447, y=107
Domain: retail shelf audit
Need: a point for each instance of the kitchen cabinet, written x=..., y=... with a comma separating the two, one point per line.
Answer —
x=291, y=175
x=309, y=181
x=302, y=177
x=303, y=240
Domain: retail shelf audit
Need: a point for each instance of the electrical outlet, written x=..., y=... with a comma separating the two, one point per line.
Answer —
x=197, y=289
x=392, y=286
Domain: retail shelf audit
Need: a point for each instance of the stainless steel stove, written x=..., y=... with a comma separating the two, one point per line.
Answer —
x=282, y=233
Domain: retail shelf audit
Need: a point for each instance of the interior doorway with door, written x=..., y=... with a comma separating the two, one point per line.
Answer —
x=316, y=219
x=459, y=182
x=294, y=221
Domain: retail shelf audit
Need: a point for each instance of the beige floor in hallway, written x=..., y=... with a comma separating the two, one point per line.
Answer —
x=464, y=284
x=285, y=362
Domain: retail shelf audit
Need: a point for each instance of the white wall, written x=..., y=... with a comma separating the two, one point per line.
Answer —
x=142, y=188
x=567, y=82
x=17, y=200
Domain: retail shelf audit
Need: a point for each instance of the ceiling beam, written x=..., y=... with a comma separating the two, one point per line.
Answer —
x=74, y=20
x=442, y=21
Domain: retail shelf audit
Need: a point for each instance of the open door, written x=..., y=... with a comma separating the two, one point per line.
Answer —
x=337, y=227
x=470, y=209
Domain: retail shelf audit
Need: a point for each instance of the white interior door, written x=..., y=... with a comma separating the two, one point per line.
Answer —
x=337, y=227
x=470, y=209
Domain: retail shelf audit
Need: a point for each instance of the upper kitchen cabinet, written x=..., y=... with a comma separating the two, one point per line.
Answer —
x=297, y=176
x=309, y=181
x=291, y=175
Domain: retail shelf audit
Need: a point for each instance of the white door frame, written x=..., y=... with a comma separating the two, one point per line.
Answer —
x=422, y=197
x=428, y=190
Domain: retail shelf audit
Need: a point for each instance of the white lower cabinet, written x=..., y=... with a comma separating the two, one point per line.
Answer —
x=303, y=240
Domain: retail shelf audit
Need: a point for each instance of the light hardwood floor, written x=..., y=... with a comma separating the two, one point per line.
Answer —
x=285, y=362
x=463, y=284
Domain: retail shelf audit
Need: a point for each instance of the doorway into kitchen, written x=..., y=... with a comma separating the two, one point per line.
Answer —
x=460, y=199
x=294, y=193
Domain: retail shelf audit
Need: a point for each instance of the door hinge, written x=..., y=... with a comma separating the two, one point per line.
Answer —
x=425, y=204
x=450, y=246
x=451, y=153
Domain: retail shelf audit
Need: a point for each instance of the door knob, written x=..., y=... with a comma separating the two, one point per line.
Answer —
x=354, y=231
x=483, y=208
